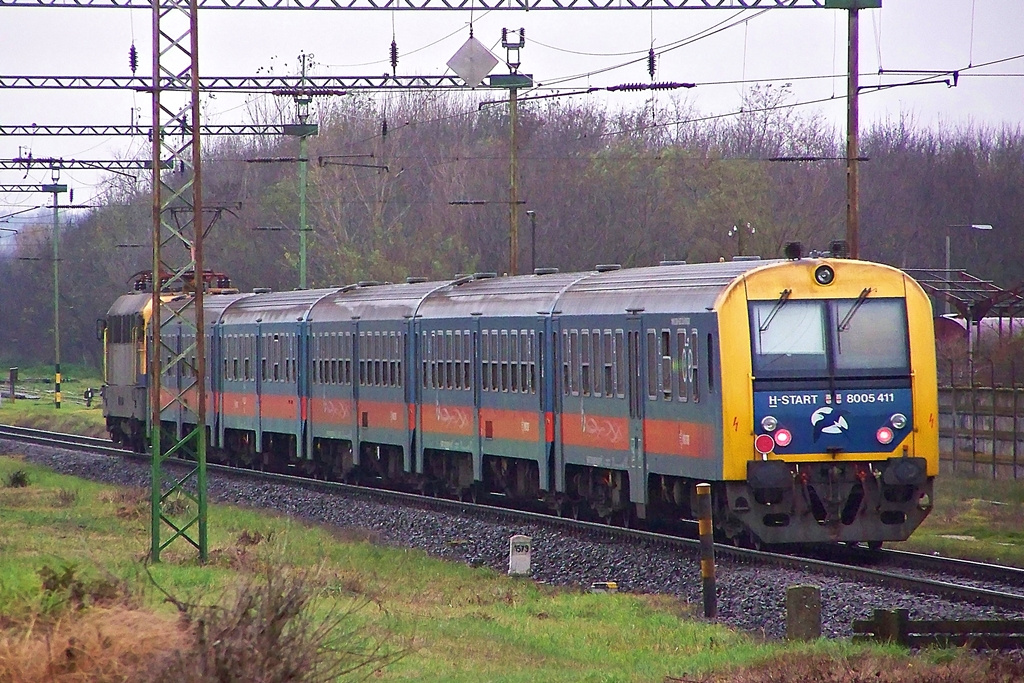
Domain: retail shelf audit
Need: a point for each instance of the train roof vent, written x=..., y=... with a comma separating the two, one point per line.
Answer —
x=607, y=267
x=415, y=280
x=545, y=271
x=261, y=290
x=671, y=263
x=746, y=258
x=368, y=283
x=484, y=276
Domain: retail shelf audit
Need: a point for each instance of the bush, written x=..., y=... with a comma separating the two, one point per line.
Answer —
x=269, y=632
x=17, y=479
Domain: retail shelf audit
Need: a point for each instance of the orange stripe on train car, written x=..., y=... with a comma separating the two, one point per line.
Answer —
x=595, y=431
x=275, y=407
x=514, y=425
x=330, y=410
x=189, y=400
x=238, y=404
x=672, y=437
x=381, y=414
x=455, y=420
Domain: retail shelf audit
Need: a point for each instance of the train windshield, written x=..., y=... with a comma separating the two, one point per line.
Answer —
x=789, y=338
x=870, y=338
x=843, y=338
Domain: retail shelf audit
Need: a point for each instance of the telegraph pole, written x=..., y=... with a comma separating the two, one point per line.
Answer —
x=56, y=189
x=302, y=101
x=512, y=48
x=852, y=133
x=853, y=7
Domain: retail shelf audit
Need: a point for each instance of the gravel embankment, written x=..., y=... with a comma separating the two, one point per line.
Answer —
x=749, y=598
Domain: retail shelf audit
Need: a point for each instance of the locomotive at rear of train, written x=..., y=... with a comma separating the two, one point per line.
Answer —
x=803, y=390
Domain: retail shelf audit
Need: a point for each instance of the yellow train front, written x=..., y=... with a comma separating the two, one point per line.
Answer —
x=829, y=403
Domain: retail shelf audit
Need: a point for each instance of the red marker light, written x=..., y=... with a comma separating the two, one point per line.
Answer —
x=764, y=444
x=884, y=435
x=783, y=438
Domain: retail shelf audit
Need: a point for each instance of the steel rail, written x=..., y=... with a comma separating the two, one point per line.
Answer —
x=1012, y=601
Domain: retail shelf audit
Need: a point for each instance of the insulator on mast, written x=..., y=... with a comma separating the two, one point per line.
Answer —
x=650, y=62
x=394, y=56
x=133, y=58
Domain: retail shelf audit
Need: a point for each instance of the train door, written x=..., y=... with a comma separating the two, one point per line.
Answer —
x=303, y=383
x=357, y=378
x=635, y=398
x=261, y=375
x=552, y=385
x=478, y=369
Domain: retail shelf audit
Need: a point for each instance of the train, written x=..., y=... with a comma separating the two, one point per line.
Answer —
x=802, y=389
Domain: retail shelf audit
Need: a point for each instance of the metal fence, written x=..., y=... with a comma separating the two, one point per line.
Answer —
x=981, y=429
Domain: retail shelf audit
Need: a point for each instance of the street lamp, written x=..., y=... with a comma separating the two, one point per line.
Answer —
x=738, y=232
x=533, y=238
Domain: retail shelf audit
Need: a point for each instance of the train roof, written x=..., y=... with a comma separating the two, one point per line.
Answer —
x=682, y=288
x=128, y=304
x=374, y=301
x=268, y=307
x=676, y=288
x=671, y=288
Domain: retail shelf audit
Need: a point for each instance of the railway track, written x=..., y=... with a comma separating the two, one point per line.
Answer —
x=946, y=577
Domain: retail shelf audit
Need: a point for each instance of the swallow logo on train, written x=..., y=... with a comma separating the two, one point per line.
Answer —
x=828, y=420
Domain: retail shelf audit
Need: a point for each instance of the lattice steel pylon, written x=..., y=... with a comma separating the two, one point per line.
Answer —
x=177, y=220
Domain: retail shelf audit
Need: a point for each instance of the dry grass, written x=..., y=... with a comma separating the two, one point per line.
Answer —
x=128, y=503
x=265, y=630
x=268, y=631
x=871, y=668
x=108, y=644
x=65, y=498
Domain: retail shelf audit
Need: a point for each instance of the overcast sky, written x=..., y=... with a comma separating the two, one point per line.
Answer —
x=564, y=49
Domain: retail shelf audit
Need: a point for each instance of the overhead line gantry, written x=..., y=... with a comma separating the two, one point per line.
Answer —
x=461, y=5
x=176, y=70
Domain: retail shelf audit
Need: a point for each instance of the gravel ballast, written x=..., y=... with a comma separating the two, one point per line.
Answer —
x=749, y=598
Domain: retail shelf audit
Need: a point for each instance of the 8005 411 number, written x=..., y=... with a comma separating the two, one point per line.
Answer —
x=884, y=397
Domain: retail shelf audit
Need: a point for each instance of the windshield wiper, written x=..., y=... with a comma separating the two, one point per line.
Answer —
x=783, y=298
x=845, y=324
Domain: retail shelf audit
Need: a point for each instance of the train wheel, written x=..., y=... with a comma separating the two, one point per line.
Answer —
x=471, y=494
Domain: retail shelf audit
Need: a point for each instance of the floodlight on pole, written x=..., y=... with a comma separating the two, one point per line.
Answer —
x=56, y=189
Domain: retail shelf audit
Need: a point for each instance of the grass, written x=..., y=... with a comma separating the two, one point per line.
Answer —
x=41, y=412
x=77, y=598
x=974, y=518
x=75, y=593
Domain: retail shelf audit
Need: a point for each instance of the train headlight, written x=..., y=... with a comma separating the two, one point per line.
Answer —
x=824, y=275
x=769, y=423
x=898, y=421
x=783, y=438
x=884, y=435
